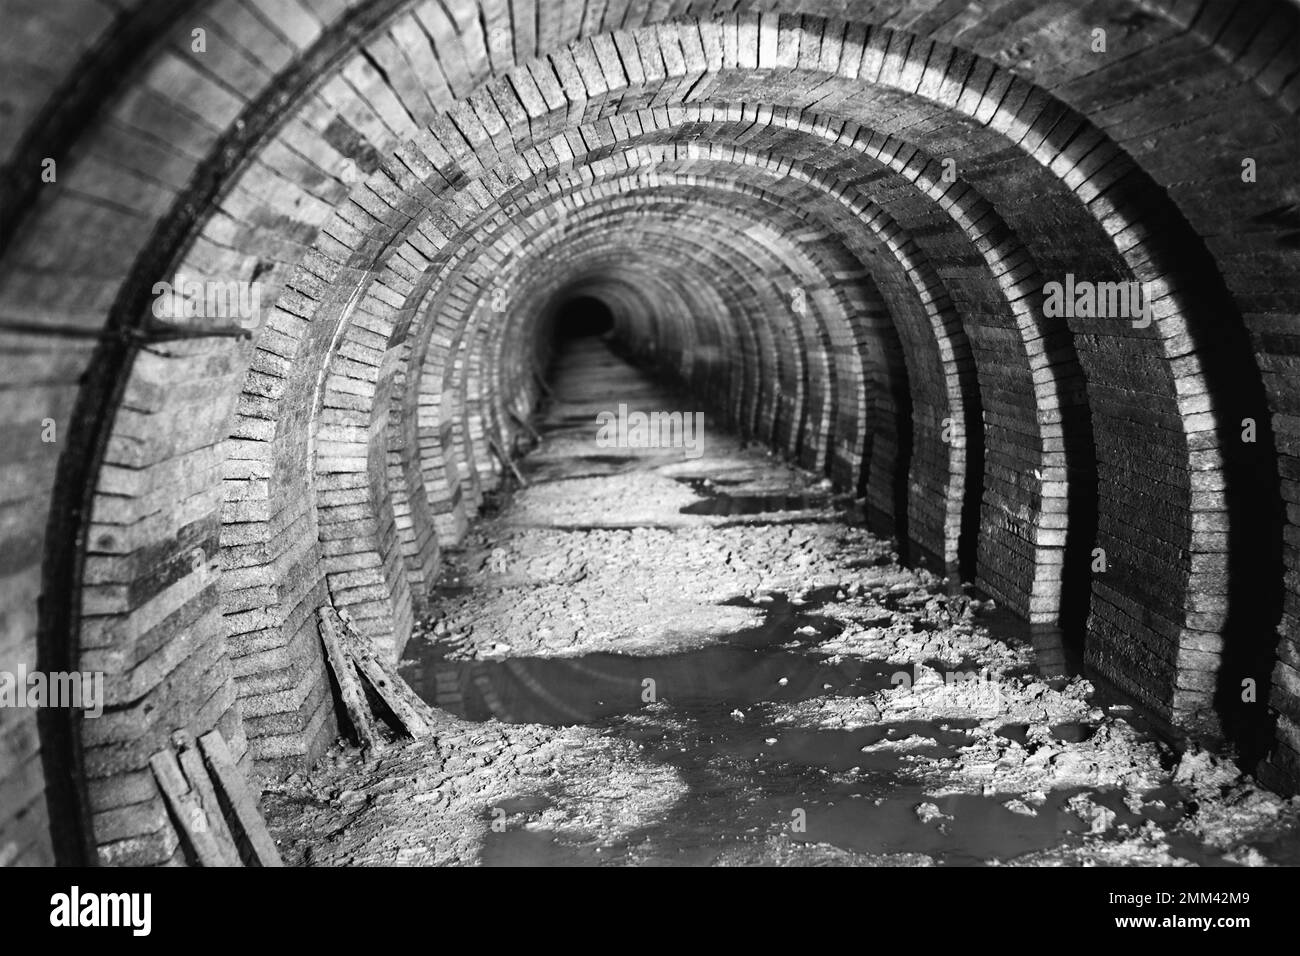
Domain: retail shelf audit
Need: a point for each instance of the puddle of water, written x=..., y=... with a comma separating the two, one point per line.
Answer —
x=787, y=621
x=793, y=517
x=725, y=504
x=609, y=526
x=838, y=750
x=746, y=776
x=605, y=459
x=1072, y=733
x=1017, y=732
x=973, y=829
x=812, y=786
x=560, y=691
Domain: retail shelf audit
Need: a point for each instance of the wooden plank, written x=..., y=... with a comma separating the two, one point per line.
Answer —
x=411, y=702
x=234, y=790
x=201, y=783
x=526, y=424
x=350, y=689
x=188, y=811
x=388, y=688
x=427, y=713
x=501, y=456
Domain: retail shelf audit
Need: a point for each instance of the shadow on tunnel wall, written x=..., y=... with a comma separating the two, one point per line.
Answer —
x=1256, y=516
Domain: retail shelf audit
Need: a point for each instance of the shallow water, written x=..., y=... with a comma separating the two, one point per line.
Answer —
x=585, y=689
x=750, y=779
x=711, y=713
x=747, y=787
x=726, y=504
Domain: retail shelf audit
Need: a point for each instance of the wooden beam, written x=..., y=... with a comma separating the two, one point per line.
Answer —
x=525, y=423
x=410, y=709
x=389, y=690
x=233, y=788
x=505, y=460
x=354, y=696
x=189, y=812
x=199, y=781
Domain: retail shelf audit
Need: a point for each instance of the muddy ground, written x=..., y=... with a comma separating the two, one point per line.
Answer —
x=650, y=658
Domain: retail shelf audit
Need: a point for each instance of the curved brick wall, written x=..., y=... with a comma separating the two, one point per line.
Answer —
x=838, y=231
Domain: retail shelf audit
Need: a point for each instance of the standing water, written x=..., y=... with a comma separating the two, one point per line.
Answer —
x=650, y=657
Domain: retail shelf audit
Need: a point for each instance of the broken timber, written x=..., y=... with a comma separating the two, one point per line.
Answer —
x=350, y=689
x=186, y=805
x=199, y=789
x=352, y=661
x=233, y=789
x=527, y=425
x=505, y=460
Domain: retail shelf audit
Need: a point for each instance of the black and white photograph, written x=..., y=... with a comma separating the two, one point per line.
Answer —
x=651, y=433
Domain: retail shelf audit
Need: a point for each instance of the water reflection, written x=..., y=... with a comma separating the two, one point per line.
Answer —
x=714, y=501
x=580, y=690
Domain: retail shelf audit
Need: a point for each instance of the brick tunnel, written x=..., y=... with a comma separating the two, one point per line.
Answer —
x=285, y=286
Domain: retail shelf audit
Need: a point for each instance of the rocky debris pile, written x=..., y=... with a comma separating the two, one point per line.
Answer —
x=536, y=592
x=441, y=800
x=1226, y=809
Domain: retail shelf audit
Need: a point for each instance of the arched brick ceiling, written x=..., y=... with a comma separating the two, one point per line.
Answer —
x=834, y=221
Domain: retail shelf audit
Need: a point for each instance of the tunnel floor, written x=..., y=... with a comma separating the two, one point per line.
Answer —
x=654, y=656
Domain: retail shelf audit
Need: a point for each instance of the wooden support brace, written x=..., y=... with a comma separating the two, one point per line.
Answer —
x=350, y=689
x=233, y=789
x=415, y=715
x=194, y=819
x=192, y=765
x=527, y=425
x=387, y=687
x=501, y=455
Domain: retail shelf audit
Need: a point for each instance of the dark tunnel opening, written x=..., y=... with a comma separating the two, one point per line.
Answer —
x=582, y=316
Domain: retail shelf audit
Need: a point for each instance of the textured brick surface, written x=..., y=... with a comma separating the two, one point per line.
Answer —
x=838, y=231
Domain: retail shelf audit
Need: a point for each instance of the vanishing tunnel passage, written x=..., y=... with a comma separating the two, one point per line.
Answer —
x=856, y=432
